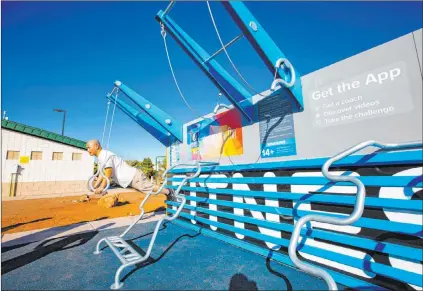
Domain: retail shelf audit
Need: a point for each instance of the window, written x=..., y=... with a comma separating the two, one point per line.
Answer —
x=12, y=155
x=36, y=155
x=76, y=156
x=57, y=156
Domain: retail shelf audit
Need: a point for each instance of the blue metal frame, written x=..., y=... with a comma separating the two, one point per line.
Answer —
x=382, y=158
x=205, y=210
x=373, y=223
x=332, y=198
x=144, y=120
x=263, y=44
x=232, y=89
x=371, y=181
x=163, y=120
x=397, y=250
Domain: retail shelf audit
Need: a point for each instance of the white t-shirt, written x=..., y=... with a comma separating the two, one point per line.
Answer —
x=122, y=172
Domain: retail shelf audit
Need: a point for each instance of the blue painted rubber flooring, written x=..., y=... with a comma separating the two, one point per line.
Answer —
x=182, y=259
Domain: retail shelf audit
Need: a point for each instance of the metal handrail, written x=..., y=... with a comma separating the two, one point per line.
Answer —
x=355, y=215
x=164, y=176
x=117, y=284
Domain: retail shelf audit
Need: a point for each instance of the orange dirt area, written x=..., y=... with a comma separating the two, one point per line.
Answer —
x=31, y=214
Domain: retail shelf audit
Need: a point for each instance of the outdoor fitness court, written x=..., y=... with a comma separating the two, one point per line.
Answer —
x=183, y=259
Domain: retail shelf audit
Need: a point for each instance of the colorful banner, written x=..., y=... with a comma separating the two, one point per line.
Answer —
x=218, y=136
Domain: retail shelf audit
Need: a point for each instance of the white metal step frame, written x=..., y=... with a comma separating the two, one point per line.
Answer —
x=125, y=253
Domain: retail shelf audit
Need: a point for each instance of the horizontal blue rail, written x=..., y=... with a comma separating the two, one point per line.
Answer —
x=410, y=229
x=377, y=181
x=350, y=240
x=408, y=157
x=341, y=198
x=378, y=268
x=338, y=277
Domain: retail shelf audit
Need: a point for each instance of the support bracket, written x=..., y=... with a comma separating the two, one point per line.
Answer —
x=160, y=121
x=231, y=88
x=268, y=51
x=144, y=120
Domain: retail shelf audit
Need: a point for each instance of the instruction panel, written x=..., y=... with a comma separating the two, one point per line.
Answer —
x=381, y=92
x=277, y=137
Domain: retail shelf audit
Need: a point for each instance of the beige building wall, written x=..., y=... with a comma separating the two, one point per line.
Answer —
x=50, y=169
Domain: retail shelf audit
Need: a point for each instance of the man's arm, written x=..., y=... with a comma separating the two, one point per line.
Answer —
x=98, y=181
x=103, y=182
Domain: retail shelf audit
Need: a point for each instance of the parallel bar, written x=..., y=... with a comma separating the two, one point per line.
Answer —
x=385, y=181
x=378, y=268
x=405, y=228
x=263, y=44
x=174, y=127
x=339, y=277
x=345, y=239
x=341, y=198
x=148, y=123
x=231, y=88
x=410, y=157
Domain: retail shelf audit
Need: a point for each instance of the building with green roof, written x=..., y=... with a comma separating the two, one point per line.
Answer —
x=40, y=163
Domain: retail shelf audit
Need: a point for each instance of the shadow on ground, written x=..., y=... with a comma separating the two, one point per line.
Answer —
x=20, y=224
x=47, y=247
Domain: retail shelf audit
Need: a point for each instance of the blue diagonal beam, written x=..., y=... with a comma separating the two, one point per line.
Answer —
x=234, y=91
x=263, y=44
x=144, y=120
x=162, y=119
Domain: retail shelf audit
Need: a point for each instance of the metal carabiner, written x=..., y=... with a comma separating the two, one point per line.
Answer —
x=284, y=63
x=163, y=31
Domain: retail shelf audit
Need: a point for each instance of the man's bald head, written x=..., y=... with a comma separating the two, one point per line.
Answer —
x=93, y=147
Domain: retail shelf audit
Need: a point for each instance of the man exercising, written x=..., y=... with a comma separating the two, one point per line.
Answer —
x=116, y=169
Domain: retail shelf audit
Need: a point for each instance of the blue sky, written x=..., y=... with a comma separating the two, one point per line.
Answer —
x=68, y=55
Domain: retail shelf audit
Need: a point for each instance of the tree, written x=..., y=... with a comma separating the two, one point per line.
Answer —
x=132, y=163
x=147, y=167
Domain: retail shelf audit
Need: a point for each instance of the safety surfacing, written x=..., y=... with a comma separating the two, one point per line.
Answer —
x=182, y=259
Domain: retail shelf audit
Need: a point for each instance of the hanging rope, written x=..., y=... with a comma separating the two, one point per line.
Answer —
x=100, y=170
x=113, y=115
x=105, y=121
x=279, y=64
x=163, y=32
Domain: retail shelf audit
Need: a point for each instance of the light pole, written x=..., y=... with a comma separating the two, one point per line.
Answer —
x=64, y=119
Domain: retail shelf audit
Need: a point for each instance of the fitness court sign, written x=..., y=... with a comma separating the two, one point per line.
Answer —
x=381, y=92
